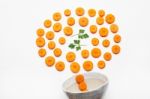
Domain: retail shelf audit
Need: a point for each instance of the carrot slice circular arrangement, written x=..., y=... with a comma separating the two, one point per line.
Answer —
x=89, y=35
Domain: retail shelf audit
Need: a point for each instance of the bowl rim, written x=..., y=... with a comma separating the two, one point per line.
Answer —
x=85, y=92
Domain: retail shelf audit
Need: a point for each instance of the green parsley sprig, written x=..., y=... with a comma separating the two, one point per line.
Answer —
x=77, y=43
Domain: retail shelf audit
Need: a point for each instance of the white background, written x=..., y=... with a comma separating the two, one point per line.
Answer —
x=23, y=75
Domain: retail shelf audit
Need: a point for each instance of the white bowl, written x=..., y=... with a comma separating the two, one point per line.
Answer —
x=96, y=83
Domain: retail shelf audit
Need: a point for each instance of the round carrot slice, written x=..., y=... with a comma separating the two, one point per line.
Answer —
x=117, y=38
x=106, y=43
x=83, y=21
x=96, y=52
x=83, y=86
x=79, y=78
x=88, y=65
x=85, y=53
x=103, y=32
x=42, y=52
x=116, y=49
x=56, y=16
x=95, y=41
x=50, y=61
x=68, y=31
x=100, y=20
x=57, y=52
x=93, y=29
x=110, y=18
x=75, y=67
x=67, y=12
x=71, y=21
x=107, y=56
x=57, y=27
x=70, y=56
x=91, y=12
x=114, y=28
x=79, y=11
x=50, y=35
x=101, y=64
x=60, y=66
x=40, y=32
x=51, y=45
x=47, y=23
x=101, y=13
x=40, y=41
x=62, y=40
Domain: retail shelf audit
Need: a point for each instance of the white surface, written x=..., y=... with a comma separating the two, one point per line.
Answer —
x=23, y=74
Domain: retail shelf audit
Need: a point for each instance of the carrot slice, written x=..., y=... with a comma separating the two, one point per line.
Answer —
x=60, y=66
x=103, y=32
x=40, y=32
x=47, y=23
x=51, y=45
x=40, y=41
x=95, y=41
x=57, y=52
x=50, y=35
x=93, y=29
x=88, y=65
x=114, y=28
x=71, y=21
x=110, y=18
x=101, y=13
x=56, y=16
x=57, y=27
x=106, y=43
x=96, y=52
x=107, y=56
x=101, y=64
x=50, y=61
x=117, y=38
x=68, y=31
x=85, y=53
x=83, y=21
x=75, y=67
x=67, y=12
x=79, y=78
x=42, y=52
x=100, y=20
x=83, y=86
x=91, y=12
x=62, y=40
x=70, y=56
x=116, y=49
x=79, y=11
